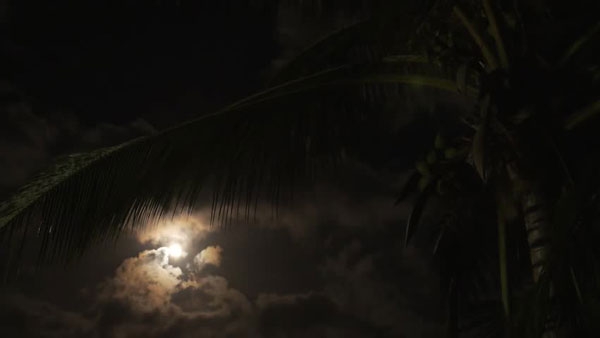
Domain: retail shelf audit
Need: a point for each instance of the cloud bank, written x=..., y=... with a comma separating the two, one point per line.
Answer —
x=369, y=285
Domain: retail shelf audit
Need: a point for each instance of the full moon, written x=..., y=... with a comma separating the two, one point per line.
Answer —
x=175, y=250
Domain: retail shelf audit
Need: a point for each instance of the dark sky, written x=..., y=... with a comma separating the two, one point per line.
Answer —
x=78, y=75
x=121, y=60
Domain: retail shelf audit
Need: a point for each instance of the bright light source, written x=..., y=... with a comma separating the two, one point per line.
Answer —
x=174, y=250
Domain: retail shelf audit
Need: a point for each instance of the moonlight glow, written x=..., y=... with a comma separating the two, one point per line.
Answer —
x=174, y=250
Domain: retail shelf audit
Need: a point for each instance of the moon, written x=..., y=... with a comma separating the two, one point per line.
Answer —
x=175, y=250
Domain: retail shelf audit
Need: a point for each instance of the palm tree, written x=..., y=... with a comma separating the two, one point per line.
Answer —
x=504, y=155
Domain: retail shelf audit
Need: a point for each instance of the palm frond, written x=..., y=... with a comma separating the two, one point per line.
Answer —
x=388, y=30
x=583, y=115
x=492, y=62
x=578, y=44
x=259, y=146
x=322, y=52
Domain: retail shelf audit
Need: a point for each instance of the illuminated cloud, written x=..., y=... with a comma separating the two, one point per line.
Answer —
x=148, y=283
x=149, y=297
x=145, y=282
x=210, y=255
x=181, y=229
x=211, y=297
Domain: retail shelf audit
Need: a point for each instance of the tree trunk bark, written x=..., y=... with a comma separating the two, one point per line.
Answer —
x=536, y=217
x=537, y=223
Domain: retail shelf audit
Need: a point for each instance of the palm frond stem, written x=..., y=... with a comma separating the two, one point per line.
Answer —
x=495, y=30
x=489, y=57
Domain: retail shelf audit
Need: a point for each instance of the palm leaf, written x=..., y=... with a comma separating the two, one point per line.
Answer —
x=503, y=263
x=386, y=33
x=583, y=115
x=255, y=147
x=495, y=31
x=417, y=211
x=486, y=52
x=578, y=44
x=479, y=141
x=409, y=186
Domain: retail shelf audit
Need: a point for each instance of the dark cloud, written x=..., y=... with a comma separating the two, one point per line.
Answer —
x=365, y=270
x=405, y=303
x=308, y=315
x=296, y=31
x=362, y=197
x=3, y=10
x=21, y=316
x=28, y=142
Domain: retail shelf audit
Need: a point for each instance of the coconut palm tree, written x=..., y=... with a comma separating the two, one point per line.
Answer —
x=512, y=101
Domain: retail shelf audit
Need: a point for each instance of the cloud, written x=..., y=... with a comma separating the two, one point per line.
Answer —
x=149, y=297
x=297, y=31
x=395, y=292
x=308, y=315
x=368, y=285
x=210, y=297
x=211, y=255
x=182, y=229
x=25, y=142
x=328, y=205
x=21, y=316
x=107, y=133
x=148, y=283
x=29, y=141
x=145, y=282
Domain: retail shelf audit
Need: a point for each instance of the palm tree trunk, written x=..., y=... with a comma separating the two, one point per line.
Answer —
x=537, y=221
x=536, y=217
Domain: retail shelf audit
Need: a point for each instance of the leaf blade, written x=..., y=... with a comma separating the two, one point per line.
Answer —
x=415, y=216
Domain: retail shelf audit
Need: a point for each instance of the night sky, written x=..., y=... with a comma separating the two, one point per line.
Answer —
x=78, y=75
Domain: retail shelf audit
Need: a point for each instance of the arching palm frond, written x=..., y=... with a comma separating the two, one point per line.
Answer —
x=382, y=33
x=254, y=148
